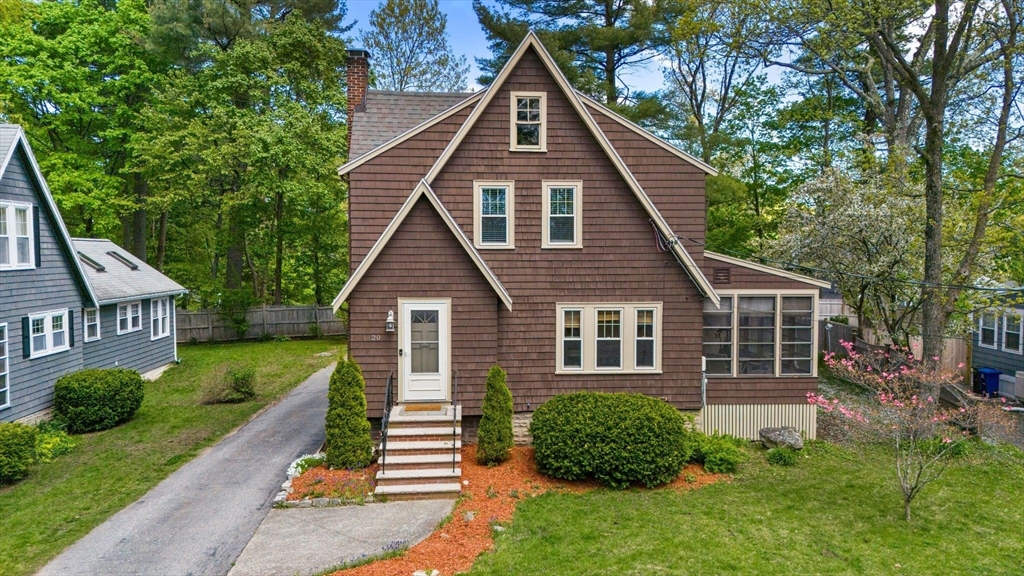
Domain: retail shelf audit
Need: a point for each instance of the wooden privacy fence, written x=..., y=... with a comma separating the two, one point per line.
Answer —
x=292, y=321
x=955, y=354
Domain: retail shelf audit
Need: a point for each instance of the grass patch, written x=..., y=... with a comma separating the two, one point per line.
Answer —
x=61, y=501
x=837, y=512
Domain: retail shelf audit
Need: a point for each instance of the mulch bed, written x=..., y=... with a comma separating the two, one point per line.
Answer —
x=491, y=496
x=322, y=482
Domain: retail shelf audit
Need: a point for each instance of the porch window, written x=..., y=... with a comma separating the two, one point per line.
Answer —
x=797, y=326
x=562, y=225
x=528, y=122
x=644, y=350
x=159, y=313
x=609, y=339
x=987, y=331
x=129, y=317
x=16, y=236
x=48, y=333
x=572, y=339
x=756, y=338
x=92, y=324
x=5, y=383
x=494, y=214
x=718, y=337
x=1013, y=326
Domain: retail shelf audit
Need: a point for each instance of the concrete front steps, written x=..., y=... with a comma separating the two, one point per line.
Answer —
x=417, y=463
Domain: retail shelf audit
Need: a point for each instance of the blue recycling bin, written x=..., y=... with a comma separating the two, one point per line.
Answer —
x=991, y=378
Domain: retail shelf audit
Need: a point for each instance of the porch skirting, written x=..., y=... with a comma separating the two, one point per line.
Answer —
x=746, y=420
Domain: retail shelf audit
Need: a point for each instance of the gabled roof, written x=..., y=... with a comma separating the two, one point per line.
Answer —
x=422, y=190
x=767, y=269
x=117, y=276
x=384, y=114
x=10, y=136
x=531, y=41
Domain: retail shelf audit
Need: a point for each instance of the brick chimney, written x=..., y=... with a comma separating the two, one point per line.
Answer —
x=358, y=76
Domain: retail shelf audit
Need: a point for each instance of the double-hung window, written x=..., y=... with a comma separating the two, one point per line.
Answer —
x=1013, y=329
x=759, y=334
x=494, y=214
x=160, y=313
x=562, y=226
x=91, y=317
x=16, y=236
x=608, y=337
x=718, y=337
x=129, y=317
x=528, y=122
x=5, y=382
x=48, y=333
x=987, y=326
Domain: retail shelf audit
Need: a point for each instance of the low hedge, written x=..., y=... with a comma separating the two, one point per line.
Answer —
x=619, y=439
x=17, y=450
x=97, y=399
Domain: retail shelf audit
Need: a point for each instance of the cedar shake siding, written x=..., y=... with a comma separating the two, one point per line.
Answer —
x=424, y=259
x=50, y=286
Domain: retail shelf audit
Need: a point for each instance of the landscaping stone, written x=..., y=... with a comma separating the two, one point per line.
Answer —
x=305, y=504
x=784, y=437
x=321, y=502
x=425, y=573
x=468, y=516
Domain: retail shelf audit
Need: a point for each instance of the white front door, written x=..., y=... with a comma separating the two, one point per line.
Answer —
x=423, y=350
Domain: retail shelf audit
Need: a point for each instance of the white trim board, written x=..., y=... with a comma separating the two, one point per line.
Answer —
x=433, y=121
x=48, y=198
x=766, y=270
x=422, y=189
x=531, y=41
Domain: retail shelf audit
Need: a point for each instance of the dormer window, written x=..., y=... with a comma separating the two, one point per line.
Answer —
x=529, y=122
x=16, y=236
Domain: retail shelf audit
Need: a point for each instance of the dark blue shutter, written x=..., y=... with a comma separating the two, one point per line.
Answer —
x=71, y=328
x=36, y=236
x=26, y=337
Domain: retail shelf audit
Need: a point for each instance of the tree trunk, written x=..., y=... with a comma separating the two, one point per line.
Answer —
x=278, y=216
x=161, y=242
x=236, y=257
x=934, y=321
x=906, y=509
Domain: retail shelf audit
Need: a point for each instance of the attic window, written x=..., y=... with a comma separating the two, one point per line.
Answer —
x=121, y=258
x=721, y=276
x=528, y=122
x=92, y=263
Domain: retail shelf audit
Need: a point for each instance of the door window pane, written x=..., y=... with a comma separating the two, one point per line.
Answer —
x=609, y=339
x=756, y=338
x=718, y=337
x=425, y=342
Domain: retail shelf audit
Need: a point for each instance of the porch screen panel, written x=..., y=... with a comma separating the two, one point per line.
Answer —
x=797, y=323
x=425, y=342
x=756, y=338
x=718, y=337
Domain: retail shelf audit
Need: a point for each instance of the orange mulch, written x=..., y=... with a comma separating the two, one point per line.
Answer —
x=491, y=495
x=322, y=482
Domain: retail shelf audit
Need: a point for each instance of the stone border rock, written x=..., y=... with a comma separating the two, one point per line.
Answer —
x=281, y=499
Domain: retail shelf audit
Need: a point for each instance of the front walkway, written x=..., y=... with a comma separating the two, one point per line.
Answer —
x=198, y=520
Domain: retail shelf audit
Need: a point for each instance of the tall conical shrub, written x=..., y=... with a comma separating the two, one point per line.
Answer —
x=495, y=437
x=348, y=431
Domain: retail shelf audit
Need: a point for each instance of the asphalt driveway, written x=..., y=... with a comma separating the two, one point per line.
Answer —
x=198, y=520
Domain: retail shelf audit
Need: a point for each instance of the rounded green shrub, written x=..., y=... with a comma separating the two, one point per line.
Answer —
x=782, y=456
x=720, y=453
x=495, y=436
x=348, y=431
x=619, y=439
x=97, y=399
x=17, y=450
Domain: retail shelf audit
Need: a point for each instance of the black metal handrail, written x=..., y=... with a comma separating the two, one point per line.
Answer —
x=389, y=402
x=455, y=414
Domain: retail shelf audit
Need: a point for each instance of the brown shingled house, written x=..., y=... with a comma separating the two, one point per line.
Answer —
x=529, y=226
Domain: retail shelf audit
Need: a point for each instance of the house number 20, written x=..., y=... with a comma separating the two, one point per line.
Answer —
x=375, y=337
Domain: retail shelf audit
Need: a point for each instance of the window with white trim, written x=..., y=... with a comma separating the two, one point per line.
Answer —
x=528, y=122
x=718, y=337
x=160, y=313
x=494, y=214
x=129, y=317
x=17, y=232
x=797, y=335
x=5, y=382
x=1013, y=329
x=91, y=319
x=987, y=326
x=48, y=333
x=562, y=226
x=608, y=337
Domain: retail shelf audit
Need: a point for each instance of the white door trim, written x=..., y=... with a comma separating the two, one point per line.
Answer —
x=444, y=307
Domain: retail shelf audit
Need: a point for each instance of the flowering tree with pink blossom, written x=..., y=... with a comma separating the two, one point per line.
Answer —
x=904, y=413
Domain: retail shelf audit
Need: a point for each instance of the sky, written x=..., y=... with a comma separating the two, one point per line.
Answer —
x=467, y=38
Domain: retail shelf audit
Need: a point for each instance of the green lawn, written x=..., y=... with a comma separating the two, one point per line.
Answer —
x=62, y=501
x=837, y=512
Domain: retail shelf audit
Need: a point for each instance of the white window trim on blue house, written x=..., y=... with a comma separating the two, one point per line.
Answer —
x=48, y=333
x=1019, y=321
x=981, y=331
x=9, y=231
x=5, y=367
x=87, y=323
x=129, y=317
x=160, y=318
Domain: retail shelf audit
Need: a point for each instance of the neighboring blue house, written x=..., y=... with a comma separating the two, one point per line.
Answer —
x=998, y=342
x=49, y=298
